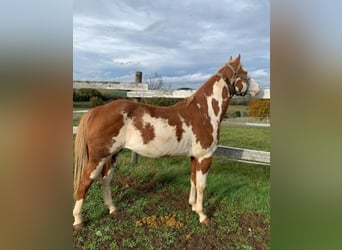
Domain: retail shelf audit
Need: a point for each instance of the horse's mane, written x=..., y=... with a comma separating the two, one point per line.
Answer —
x=185, y=102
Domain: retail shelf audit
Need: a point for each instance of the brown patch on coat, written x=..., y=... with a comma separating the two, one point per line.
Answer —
x=224, y=93
x=203, y=166
x=148, y=133
x=201, y=125
x=102, y=129
x=135, y=112
x=225, y=103
x=146, y=130
x=193, y=170
x=215, y=105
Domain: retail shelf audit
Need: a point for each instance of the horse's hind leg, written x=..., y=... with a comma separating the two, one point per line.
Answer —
x=107, y=174
x=91, y=171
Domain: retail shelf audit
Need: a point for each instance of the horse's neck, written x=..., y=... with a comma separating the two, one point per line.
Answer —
x=213, y=96
x=215, y=88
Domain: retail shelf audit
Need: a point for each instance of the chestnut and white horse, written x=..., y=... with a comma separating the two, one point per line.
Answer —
x=189, y=128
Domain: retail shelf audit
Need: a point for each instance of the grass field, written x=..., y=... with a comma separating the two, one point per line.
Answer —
x=152, y=199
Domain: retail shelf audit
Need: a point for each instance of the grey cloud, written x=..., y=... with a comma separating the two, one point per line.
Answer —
x=195, y=37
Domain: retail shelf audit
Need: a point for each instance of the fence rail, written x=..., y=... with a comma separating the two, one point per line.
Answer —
x=130, y=86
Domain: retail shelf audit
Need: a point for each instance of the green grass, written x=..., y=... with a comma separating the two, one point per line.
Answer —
x=120, y=93
x=236, y=200
x=81, y=105
x=233, y=108
x=257, y=138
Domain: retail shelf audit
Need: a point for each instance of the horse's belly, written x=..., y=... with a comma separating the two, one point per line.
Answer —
x=160, y=146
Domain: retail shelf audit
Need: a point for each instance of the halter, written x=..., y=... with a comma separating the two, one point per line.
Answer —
x=232, y=82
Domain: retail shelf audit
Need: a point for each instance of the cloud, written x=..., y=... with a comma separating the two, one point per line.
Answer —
x=178, y=39
x=189, y=80
x=261, y=76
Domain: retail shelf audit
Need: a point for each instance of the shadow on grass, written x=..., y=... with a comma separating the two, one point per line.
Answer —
x=216, y=198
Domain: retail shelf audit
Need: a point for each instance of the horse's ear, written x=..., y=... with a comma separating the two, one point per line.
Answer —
x=237, y=60
x=230, y=59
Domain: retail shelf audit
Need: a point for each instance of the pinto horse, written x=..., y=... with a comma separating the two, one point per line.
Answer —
x=189, y=128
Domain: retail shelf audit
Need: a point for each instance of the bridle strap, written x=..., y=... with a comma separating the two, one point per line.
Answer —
x=235, y=75
x=231, y=82
x=231, y=86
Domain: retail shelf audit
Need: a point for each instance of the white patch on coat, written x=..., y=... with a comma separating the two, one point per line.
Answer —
x=97, y=170
x=244, y=87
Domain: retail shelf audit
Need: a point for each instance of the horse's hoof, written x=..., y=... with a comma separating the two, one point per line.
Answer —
x=205, y=222
x=78, y=226
x=114, y=214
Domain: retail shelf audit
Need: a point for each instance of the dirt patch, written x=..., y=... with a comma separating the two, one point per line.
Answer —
x=122, y=181
x=256, y=227
x=176, y=201
x=252, y=231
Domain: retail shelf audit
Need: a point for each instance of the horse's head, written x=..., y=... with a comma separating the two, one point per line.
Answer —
x=239, y=83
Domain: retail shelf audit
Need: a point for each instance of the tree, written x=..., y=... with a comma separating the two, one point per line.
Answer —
x=154, y=81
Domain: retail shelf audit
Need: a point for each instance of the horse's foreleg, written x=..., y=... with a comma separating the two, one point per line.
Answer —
x=192, y=195
x=202, y=168
x=107, y=175
x=91, y=171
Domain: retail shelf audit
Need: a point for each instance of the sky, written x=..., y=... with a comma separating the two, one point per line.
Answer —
x=183, y=41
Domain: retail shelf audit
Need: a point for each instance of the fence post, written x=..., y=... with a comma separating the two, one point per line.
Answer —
x=138, y=79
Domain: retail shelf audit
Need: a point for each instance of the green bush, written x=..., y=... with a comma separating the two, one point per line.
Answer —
x=84, y=95
x=95, y=101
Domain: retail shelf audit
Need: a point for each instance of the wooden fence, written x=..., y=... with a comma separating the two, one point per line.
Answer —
x=138, y=90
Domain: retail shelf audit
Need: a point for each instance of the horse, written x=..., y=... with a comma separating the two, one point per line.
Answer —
x=190, y=128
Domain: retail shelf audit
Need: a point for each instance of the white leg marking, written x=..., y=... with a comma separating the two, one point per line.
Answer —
x=107, y=194
x=77, y=212
x=192, y=196
x=97, y=170
x=200, y=186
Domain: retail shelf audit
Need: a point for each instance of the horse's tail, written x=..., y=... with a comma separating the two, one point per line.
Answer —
x=81, y=150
